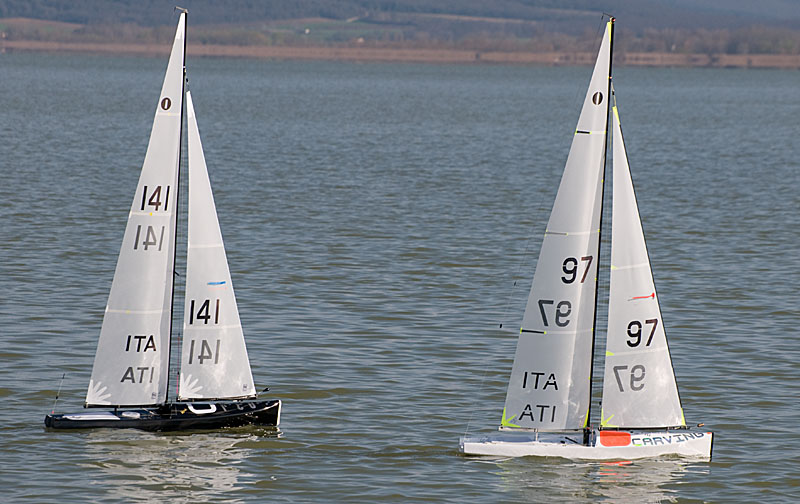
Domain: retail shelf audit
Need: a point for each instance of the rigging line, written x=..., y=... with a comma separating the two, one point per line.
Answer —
x=58, y=393
x=535, y=215
x=522, y=261
x=604, y=210
x=603, y=284
x=477, y=398
x=181, y=241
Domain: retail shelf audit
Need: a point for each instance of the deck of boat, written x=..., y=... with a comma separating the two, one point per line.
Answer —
x=174, y=417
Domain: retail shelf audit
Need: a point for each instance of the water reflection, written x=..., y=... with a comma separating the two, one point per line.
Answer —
x=197, y=467
x=613, y=482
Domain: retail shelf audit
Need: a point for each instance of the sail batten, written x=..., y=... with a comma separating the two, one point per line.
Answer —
x=550, y=386
x=139, y=303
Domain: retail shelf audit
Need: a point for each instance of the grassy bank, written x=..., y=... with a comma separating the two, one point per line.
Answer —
x=416, y=55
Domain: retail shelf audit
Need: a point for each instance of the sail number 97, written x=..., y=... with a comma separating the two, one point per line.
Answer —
x=570, y=269
x=636, y=377
x=635, y=332
x=562, y=311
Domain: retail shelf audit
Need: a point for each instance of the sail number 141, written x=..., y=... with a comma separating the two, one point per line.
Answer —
x=206, y=352
x=204, y=312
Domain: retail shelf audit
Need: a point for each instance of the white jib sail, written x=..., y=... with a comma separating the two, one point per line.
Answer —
x=550, y=385
x=214, y=363
x=639, y=387
x=132, y=359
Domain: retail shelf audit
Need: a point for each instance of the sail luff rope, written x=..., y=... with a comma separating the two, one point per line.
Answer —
x=185, y=13
x=603, y=208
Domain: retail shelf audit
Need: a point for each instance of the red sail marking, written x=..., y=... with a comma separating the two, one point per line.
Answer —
x=649, y=296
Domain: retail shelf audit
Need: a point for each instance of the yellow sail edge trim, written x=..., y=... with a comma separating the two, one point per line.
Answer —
x=683, y=419
x=506, y=422
x=616, y=112
x=605, y=423
x=609, y=354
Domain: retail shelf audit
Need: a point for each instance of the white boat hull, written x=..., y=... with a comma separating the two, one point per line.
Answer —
x=604, y=445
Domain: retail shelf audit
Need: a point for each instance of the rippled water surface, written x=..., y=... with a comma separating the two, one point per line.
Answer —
x=376, y=218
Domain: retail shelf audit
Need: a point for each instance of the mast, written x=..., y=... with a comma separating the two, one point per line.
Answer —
x=185, y=14
x=587, y=429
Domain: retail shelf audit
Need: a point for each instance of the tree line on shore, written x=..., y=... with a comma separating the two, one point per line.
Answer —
x=508, y=25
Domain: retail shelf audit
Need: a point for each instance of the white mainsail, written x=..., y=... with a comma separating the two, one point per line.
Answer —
x=214, y=363
x=550, y=385
x=639, y=387
x=132, y=359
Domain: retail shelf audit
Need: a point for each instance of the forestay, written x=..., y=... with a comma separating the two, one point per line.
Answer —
x=639, y=387
x=550, y=384
x=214, y=363
x=131, y=363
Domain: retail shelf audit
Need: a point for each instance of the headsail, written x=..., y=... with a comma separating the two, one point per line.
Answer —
x=214, y=363
x=132, y=359
x=550, y=385
x=639, y=387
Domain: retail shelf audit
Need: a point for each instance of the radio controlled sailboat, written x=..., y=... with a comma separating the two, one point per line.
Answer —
x=130, y=376
x=547, y=408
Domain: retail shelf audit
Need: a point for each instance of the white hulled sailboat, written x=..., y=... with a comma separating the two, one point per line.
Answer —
x=131, y=366
x=548, y=403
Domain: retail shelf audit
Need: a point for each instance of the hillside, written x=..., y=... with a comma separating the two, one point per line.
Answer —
x=671, y=27
x=559, y=15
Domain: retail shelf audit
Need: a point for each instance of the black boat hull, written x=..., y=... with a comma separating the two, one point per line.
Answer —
x=174, y=417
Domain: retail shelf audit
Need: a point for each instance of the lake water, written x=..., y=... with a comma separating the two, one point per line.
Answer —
x=376, y=218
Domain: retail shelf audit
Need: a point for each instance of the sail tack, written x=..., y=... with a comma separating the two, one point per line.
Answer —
x=639, y=387
x=214, y=362
x=132, y=359
x=550, y=380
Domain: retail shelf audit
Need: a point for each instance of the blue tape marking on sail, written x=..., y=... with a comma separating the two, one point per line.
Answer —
x=217, y=283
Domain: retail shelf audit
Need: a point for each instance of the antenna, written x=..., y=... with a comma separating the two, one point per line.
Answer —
x=178, y=8
x=58, y=393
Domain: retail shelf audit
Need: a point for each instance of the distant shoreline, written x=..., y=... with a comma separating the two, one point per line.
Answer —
x=417, y=55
